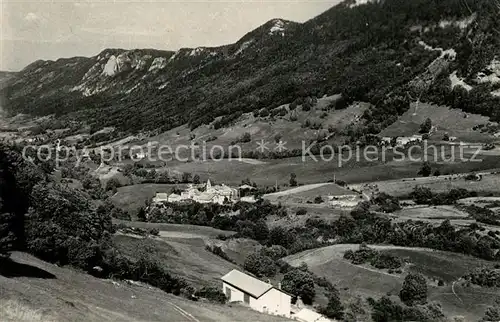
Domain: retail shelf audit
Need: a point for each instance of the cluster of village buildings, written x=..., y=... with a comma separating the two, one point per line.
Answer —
x=207, y=193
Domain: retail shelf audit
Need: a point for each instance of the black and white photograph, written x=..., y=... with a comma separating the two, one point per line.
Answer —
x=250, y=160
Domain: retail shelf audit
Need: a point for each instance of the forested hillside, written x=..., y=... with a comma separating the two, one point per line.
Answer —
x=386, y=52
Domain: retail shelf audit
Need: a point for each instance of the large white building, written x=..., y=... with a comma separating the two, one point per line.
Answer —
x=258, y=295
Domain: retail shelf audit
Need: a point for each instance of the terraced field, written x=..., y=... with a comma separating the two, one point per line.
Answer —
x=364, y=280
x=490, y=183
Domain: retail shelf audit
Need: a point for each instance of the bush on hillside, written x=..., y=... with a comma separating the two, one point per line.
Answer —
x=301, y=212
x=360, y=256
x=334, y=309
x=275, y=252
x=414, y=290
x=260, y=265
x=492, y=312
x=213, y=294
x=386, y=261
x=217, y=250
x=112, y=185
x=387, y=203
x=426, y=126
x=385, y=310
x=62, y=223
x=484, y=276
x=7, y=236
x=300, y=284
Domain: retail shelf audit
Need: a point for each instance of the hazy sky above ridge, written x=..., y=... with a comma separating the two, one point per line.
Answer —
x=42, y=29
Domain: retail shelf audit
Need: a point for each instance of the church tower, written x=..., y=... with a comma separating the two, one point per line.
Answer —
x=208, y=187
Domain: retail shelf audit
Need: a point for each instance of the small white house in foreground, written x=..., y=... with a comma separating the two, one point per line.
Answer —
x=260, y=296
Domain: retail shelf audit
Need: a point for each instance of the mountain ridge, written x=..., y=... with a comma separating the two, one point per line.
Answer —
x=368, y=52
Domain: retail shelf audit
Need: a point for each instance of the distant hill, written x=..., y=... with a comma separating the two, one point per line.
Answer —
x=386, y=52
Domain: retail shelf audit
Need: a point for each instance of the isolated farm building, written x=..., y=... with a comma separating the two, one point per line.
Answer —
x=258, y=295
x=245, y=190
x=386, y=140
x=249, y=199
x=246, y=187
x=344, y=201
x=402, y=141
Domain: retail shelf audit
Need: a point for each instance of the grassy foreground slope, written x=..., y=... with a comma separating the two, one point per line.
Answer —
x=67, y=295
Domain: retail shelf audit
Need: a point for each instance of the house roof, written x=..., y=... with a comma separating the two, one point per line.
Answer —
x=245, y=186
x=161, y=195
x=246, y=283
x=206, y=196
x=308, y=315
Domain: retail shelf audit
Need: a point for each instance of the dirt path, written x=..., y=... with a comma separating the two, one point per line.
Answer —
x=453, y=290
x=185, y=314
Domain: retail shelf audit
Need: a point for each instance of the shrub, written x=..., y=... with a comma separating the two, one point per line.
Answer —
x=426, y=170
x=300, y=284
x=217, y=250
x=113, y=184
x=385, y=310
x=360, y=256
x=386, y=261
x=246, y=137
x=387, y=203
x=484, y=276
x=318, y=199
x=154, y=231
x=334, y=309
x=414, y=290
x=426, y=126
x=264, y=112
x=301, y=212
x=493, y=312
x=212, y=294
x=275, y=252
x=260, y=265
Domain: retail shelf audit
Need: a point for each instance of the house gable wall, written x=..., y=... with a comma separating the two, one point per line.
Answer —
x=275, y=302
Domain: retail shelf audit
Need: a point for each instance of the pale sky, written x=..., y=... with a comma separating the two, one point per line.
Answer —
x=50, y=29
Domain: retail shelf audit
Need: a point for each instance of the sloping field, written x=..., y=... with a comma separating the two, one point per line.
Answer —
x=367, y=281
x=177, y=230
x=237, y=248
x=67, y=295
x=184, y=257
x=132, y=198
x=403, y=187
x=435, y=215
x=288, y=127
x=314, y=211
x=453, y=121
x=313, y=170
x=308, y=192
x=423, y=212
